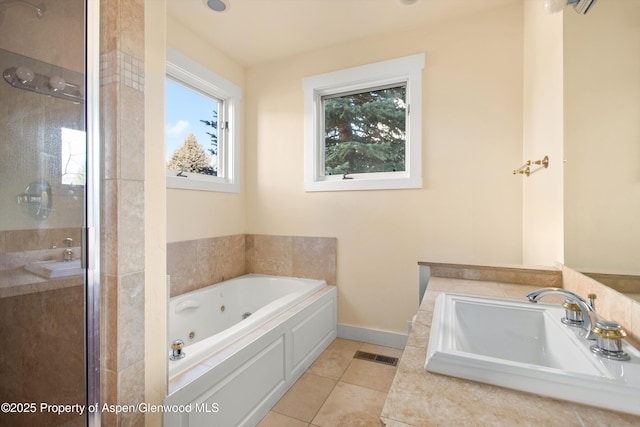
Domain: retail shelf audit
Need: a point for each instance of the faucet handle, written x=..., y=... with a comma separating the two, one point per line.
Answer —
x=609, y=337
x=609, y=329
x=67, y=254
x=176, y=350
x=572, y=313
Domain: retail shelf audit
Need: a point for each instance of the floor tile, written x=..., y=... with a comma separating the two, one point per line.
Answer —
x=305, y=397
x=273, y=419
x=332, y=362
x=337, y=390
x=364, y=373
x=351, y=406
x=344, y=344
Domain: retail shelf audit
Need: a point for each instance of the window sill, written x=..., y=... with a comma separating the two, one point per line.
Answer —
x=337, y=183
x=201, y=183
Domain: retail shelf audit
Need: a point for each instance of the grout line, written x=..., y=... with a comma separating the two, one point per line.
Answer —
x=339, y=380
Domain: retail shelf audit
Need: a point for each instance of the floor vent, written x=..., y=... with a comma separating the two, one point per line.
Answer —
x=379, y=358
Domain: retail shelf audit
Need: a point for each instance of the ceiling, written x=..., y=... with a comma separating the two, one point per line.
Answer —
x=258, y=31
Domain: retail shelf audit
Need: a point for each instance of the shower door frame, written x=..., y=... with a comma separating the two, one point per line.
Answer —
x=92, y=210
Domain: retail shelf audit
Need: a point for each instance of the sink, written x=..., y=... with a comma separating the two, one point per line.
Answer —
x=525, y=346
x=55, y=269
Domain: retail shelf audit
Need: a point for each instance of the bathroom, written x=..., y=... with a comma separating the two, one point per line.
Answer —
x=493, y=98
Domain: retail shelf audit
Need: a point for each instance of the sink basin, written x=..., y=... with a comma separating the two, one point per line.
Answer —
x=55, y=269
x=526, y=347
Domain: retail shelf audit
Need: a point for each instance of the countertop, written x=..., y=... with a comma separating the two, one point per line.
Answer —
x=18, y=281
x=419, y=398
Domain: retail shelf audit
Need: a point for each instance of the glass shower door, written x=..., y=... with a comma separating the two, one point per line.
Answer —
x=43, y=220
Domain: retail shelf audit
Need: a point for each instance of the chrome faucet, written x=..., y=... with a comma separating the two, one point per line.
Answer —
x=67, y=255
x=607, y=334
x=588, y=313
x=176, y=350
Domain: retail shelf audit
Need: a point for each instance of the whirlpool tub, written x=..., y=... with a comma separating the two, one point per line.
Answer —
x=246, y=341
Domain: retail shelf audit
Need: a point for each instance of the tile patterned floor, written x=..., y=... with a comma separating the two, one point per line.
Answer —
x=337, y=390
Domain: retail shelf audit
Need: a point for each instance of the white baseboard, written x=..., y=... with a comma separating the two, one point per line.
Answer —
x=372, y=336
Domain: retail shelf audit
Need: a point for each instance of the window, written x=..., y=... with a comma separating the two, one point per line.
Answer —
x=363, y=127
x=202, y=139
x=73, y=156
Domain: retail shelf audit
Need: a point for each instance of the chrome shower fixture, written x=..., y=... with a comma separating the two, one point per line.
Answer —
x=24, y=78
x=40, y=9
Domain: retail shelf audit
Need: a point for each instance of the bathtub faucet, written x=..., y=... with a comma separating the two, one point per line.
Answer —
x=176, y=350
x=573, y=304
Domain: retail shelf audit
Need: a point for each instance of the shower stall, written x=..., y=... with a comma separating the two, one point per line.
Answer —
x=49, y=181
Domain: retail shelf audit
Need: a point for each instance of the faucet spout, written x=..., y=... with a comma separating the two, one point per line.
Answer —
x=588, y=313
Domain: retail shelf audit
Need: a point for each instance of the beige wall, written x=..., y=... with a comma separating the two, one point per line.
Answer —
x=602, y=138
x=542, y=214
x=470, y=207
x=200, y=214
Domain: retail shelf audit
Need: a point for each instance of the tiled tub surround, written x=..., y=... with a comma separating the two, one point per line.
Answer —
x=419, y=398
x=249, y=375
x=194, y=264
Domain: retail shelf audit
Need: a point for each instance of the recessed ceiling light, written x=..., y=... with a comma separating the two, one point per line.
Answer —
x=217, y=5
x=408, y=2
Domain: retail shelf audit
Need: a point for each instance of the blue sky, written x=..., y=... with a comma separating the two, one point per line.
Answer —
x=184, y=110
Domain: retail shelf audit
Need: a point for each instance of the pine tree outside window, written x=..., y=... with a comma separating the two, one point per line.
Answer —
x=365, y=131
x=363, y=127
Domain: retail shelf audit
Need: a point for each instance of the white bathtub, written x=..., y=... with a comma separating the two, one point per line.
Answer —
x=210, y=318
x=243, y=366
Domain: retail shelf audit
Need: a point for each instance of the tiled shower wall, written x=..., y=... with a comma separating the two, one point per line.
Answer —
x=194, y=264
x=41, y=362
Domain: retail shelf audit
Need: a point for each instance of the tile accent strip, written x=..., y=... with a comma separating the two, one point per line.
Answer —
x=116, y=66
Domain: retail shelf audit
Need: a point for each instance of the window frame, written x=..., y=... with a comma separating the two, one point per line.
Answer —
x=405, y=70
x=196, y=77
